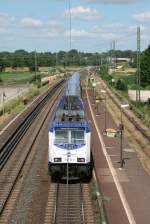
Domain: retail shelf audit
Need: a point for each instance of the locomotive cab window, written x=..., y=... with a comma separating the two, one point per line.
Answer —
x=61, y=137
x=77, y=136
x=69, y=136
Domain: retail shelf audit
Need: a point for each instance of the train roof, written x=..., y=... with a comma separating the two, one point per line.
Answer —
x=83, y=125
x=70, y=109
x=73, y=86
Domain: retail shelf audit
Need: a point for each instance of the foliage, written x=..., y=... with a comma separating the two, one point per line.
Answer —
x=104, y=73
x=145, y=67
x=121, y=85
x=17, y=77
x=22, y=58
x=32, y=68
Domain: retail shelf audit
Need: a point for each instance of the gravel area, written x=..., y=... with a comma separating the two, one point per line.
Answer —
x=11, y=92
x=30, y=205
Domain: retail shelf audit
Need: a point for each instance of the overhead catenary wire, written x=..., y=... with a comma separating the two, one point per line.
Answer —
x=68, y=151
x=70, y=25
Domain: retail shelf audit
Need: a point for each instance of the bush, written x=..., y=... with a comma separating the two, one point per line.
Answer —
x=121, y=85
x=104, y=73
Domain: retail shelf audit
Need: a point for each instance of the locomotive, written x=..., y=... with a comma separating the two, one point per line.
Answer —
x=70, y=136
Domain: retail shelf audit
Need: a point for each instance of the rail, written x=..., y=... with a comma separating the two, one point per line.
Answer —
x=9, y=146
x=125, y=112
x=6, y=192
x=69, y=206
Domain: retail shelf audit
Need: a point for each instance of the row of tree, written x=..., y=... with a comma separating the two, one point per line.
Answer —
x=22, y=58
x=144, y=68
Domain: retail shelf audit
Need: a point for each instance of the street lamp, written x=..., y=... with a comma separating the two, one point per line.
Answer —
x=121, y=127
x=103, y=91
x=94, y=87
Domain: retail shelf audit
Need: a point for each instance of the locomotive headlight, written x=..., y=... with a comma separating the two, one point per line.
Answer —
x=57, y=160
x=81, y=160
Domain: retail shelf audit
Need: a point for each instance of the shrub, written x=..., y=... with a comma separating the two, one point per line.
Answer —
x=121, y=85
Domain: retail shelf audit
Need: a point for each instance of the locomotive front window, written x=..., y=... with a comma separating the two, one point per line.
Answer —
x=61, y=137
x=77, y=137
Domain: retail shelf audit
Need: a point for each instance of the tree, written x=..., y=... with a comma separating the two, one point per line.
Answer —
x=121, y=85
x=145, y=67
x=2, y=66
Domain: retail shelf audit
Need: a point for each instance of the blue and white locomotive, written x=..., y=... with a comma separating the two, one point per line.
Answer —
x=70, y=136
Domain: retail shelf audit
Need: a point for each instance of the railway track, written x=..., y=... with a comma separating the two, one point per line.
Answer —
x=138, y=136
x=8, y=147
x=69, y=204
x=10, y=175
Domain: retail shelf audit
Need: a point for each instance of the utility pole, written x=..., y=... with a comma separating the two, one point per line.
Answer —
x=35, y=64
x=114, y=54
x=56, y=62
x=138, y=88
x=110, y=54
x=101, y=61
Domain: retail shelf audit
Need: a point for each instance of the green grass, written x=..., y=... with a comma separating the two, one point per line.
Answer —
x=16, y=77
x=142, y=110
x=13, y=106
x=18, y=108
x=129, y=79
x=145, y=112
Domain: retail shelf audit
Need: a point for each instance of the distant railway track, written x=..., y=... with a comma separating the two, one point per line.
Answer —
x=128, y=116
x=139, y=136
x=9, y=177
x=8, y=147
x=69, y=204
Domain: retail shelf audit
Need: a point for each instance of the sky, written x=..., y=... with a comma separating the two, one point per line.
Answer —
x=44, y=25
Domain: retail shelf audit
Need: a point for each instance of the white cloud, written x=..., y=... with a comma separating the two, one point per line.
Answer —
x=80, y=33
x=118, y=28
x=43, y=35
x=6, y=20
x=83, y=13
x=97, y=30
x=110, y=36
x=134, y=28
x=116, y=1
x=142, y=17
x=145, y=37
x=31, y=23
x=3, y=30
x=55, y=26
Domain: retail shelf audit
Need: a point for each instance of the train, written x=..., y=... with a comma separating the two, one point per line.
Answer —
x=69, y=134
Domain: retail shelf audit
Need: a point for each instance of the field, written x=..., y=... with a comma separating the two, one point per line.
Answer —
x=142, y=110
x=16, y=77
x=129, y=79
